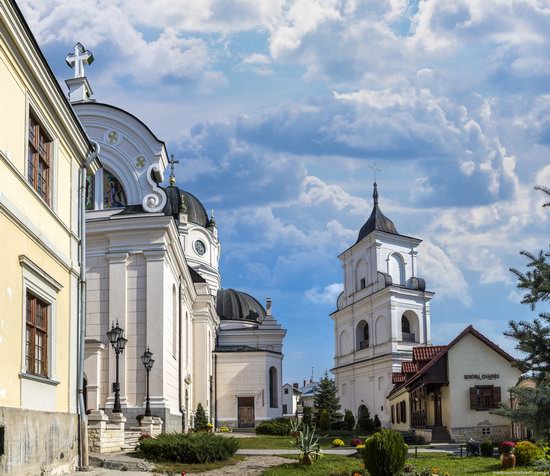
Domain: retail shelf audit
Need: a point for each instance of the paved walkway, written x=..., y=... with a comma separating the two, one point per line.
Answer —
x=251, y=466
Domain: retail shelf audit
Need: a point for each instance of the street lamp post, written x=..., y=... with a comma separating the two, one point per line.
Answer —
x=117, y=340
x=148, y=364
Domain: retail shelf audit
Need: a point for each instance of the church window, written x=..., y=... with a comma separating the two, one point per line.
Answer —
x=405, y=325
x=286, y=391
x=39, y=159
x=273, y=386
x=90, y=191
x=363, y=284
x=409, y=327
x=36, y=340
x=362, y=335
x=175, y=326
x=113, y=192
x=285, y=409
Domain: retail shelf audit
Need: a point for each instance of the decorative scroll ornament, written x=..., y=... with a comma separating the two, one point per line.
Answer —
x=156, y=200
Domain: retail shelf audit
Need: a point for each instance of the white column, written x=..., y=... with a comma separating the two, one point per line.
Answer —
x=117, y=312
x=154, y=328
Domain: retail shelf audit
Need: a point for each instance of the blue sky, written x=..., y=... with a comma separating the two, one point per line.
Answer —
x=276, y=108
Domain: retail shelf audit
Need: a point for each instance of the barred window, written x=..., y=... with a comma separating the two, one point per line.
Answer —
x=36, y=348
x=39, y=159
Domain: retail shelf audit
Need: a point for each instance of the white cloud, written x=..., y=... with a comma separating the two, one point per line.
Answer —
x=328, y=295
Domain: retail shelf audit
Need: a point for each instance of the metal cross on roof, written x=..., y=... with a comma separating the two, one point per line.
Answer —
x=78, y=59
x=172, y=162
x=374, y=170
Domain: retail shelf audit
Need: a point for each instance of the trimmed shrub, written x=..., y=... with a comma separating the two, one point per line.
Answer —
x=273, y=427
x=487, y=448
x=377, y=423
x=200, y=418
x=189, y=447
x=349, y=420
x=324, y=420
x=385, y=453
x=526, y=453
x=365, y=422
x=338, y=425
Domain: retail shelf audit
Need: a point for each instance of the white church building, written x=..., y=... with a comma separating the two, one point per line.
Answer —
x=382, y=314
x=152, y=266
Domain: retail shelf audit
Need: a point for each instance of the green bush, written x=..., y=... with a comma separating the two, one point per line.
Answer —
x=324, y=420
x=526, y=453
x=365, y=422
x=487, y=448
x=349, y=420
x=385, y=453
x=189, y=447
x=273, y=427
x=200, y=418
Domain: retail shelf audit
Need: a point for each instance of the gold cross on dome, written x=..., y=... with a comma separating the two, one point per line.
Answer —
x=172, y=162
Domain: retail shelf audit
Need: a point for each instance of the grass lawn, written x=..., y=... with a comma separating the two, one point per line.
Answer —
x=332, y=465
x=178, y=468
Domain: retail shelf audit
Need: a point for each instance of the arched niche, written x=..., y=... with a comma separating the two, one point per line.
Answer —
x=410, y=328
x=362, y=336
x=344, y=343
x=396, y=269
x=361, y=274
x=273, y=387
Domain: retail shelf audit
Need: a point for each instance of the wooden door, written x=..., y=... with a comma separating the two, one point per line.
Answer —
x=437, y=409
x=246, y=412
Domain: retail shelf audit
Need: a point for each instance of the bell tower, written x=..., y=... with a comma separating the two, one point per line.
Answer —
x=381, y=315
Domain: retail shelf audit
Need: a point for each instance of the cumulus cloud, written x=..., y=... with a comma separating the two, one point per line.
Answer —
x=328, y=295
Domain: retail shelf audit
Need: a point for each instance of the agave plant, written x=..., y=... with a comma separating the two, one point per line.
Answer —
x=307, y=443
x=295, y=427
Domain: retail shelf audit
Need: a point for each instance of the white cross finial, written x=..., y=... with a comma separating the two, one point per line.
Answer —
x=78, y=59
x=374, y=170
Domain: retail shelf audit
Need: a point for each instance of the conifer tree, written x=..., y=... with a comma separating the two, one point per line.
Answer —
x=200, y=418
x=326, y=398
x=533, y=340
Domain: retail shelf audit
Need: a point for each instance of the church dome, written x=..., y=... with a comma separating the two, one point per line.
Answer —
x=377, y=220
x=196, y=213
x=236, y=305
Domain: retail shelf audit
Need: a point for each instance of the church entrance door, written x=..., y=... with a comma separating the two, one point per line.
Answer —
x=246, y=412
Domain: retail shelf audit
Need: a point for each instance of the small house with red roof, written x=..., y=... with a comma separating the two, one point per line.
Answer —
x=447, y=393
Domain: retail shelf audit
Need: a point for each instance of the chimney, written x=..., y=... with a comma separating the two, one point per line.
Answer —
x=268, y=307
x=295, y=385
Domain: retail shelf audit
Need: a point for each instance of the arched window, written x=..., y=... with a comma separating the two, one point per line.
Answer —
x=360, y=275
x=273, y=388
x=397, y=269
x=410, y=331
x=113, y=192
x=362, y=335
x=175, y=327
x=405, y=325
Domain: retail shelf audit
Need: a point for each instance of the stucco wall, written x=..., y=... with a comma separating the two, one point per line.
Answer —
x=471, y=356
x=38, y=442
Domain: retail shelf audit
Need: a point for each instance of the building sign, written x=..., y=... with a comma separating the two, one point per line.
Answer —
x=481, y=376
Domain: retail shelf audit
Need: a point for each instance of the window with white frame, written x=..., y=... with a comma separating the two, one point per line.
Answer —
x=39, y=312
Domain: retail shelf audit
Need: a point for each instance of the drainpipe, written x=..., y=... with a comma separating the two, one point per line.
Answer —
x=180, y=369
x=81, y=321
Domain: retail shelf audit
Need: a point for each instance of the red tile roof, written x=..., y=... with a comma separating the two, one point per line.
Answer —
x=409, y=367
x=397, y=377
x=426, y=353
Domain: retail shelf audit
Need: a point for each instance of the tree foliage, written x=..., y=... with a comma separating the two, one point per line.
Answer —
x=349, y=420
x=200, y=418
x=533, y=341
x=326, y=398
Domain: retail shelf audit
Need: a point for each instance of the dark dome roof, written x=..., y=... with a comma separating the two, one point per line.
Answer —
x=236, y=305
x=196, y=212
x=377, y=220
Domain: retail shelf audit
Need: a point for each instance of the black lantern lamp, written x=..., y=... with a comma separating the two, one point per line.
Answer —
x=148, y=362
x=117, y=340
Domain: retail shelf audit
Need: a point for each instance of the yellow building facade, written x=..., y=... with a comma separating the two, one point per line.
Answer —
x=42, y=150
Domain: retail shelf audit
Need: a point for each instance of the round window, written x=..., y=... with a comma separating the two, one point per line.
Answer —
x=200, y=247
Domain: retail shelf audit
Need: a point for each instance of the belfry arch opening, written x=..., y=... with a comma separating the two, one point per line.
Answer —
x=362, y=335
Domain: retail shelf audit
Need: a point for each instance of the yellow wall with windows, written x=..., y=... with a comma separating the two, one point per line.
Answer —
x=46, y=234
